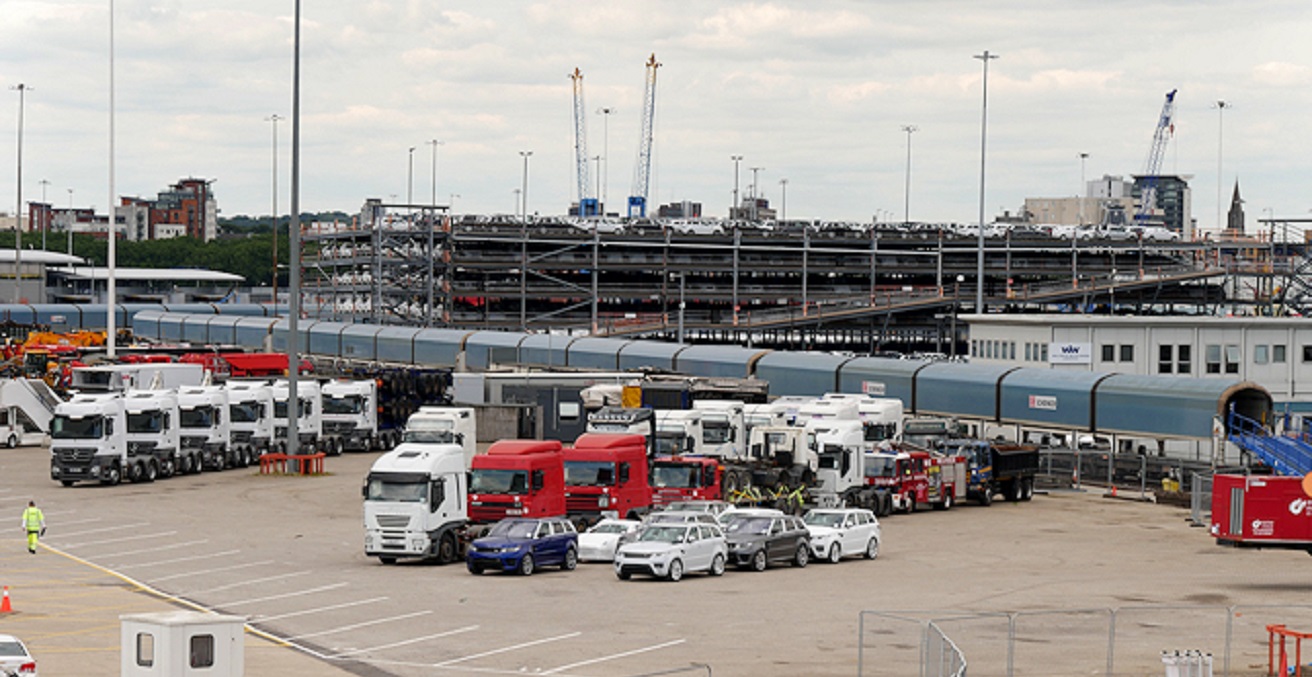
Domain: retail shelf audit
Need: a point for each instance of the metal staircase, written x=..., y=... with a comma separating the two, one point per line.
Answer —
x=1287, y=455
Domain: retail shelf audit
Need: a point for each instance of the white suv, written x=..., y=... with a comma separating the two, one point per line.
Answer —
x=671, y=549
x=838, y=532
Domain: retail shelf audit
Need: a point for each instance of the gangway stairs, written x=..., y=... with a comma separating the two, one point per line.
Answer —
x=27, y=406
x=1285, y=454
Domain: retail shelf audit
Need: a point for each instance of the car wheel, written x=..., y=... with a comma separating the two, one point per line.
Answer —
x=834, y=554
x=676, y=570
x=474, y=569
x=446, y=549
x=387, y=560
x=717, y=566
x=803, y=555
x=623, y=575
x=526, y=566
x=872, y=548
x=67, y=483
x=571, y=559
x=759, y=562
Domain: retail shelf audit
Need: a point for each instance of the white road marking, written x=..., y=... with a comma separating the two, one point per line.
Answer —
x=212, y=571
x=506, y=649
x=11, y=499
x=119, y=540
x=66, y=524
x=613, y=657
x=175, y=560
x=285, y=595
x=252, y=581
x=448, y=633
x=101, y=531
x=365, y=624
x=172, y=546
x=306, y=612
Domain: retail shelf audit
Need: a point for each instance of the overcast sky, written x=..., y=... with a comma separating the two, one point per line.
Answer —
x=815, y=92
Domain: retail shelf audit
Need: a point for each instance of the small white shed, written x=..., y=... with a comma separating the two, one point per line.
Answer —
x=182, y=644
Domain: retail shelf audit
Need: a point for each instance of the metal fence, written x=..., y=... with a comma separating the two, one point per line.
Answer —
x=1113, y=642
x=1150, y=476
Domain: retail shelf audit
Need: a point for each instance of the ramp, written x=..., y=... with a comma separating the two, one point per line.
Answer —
x=1287, y=455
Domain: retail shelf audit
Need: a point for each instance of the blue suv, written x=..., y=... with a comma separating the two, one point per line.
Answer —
x=521, y=545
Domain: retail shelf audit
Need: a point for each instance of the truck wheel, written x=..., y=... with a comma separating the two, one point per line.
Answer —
x=151, y=472
x=986, y=496
x=1015, y=490
x=872, y=548
x=446, y=549
x=759, y=562
x=802, y=556
x=571, y=559
x=11, y=441
x=136, y=472
x=676, y=570
x=167, y=469
x=730, y=484
x=717, y=565
x=113, y=476
x=834, y=554
x=526, y=566
x=1027, y=489
x=946, y=503
x=338, y=447
x=885, y=505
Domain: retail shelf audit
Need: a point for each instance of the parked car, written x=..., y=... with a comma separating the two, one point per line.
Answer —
x=599, y=543
x=714, y=508
x=15, y=659
x=680, y=517
x=521, y=545
x=671, y=550
x=757, y=540
x=839, y=532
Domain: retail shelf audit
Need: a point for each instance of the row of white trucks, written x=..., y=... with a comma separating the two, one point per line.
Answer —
x=143, y=422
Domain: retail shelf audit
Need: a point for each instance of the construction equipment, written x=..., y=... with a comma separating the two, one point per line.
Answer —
x=642, y=172
x=1162, y=135
x=587, y=203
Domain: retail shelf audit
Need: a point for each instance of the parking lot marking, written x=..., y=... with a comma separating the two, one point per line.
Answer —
x=119, y=540
x=356, y=626
x=306, y=612
x=252, y=581
x=285, y=595
x=175, y=560
x=101, y=531
x=212, y=571
x=612, y=657
x=173, y=546
x=513, y=647
x=416, y=640
x=62, y=523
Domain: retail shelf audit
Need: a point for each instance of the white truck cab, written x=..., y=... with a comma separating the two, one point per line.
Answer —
x=882, y=417
x=679, y=432
x=250, y=416
x=203, y=413
x=724, y=430
x=309, y=423
x=443, y=425
x=840, y=447
x=350, y=416
x=415, y=499
x=152, y=429
x=88, y=440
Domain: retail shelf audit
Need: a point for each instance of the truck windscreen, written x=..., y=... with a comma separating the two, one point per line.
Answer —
x=200, y=417
x=244, y=412
x=394, y=488
x=351, y=404
x=589, y=473
x=146, y=422
x=89, y=428
x=673, y=475
x=716, y=431
x=489, y=481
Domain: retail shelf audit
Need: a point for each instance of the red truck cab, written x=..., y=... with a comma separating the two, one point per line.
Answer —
x=685, y=478
x=517, y=478
x=606, y=475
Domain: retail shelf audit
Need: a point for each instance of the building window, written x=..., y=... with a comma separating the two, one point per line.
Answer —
x=1043, y=352
x=1165, y=357
x=1011, y=350
x=974, y=349
x=202, y=651
x=1232, y=358
x=1261, y=354
x=1307, y=353
x=1108, y=352
x=1184, y=359
x=1029, y=352
x=1127, y=353
x=1213, y=358
x=145, y=649
x=1278, y=354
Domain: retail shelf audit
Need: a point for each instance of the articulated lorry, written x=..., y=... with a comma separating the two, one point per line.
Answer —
x=350, y=417
x=606, y=476
x=309, y=422
x=250, y=416
x=153, y=431
x=449, y=425
x=203, y=411
x=996, y=468
x=88, y=441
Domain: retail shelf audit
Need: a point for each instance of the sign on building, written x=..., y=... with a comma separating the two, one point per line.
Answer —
x=873, y=388
x=1045, y=402
x=1070, y=353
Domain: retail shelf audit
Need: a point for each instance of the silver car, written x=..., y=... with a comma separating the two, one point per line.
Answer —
x=15, y=659
x=672, y=549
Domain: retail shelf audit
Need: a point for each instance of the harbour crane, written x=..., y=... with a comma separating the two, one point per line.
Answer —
x=1162, y=135
x=588, y=205
x=642, y=173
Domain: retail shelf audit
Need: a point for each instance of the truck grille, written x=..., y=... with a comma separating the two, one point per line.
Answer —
x=242, y=436
x=667, y=496
x=581, y=503
x=392, y=521
x=491, y=511
x=75, y=455
x=189, y=442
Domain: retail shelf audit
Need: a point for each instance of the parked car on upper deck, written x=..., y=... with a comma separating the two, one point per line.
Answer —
x=521, y=545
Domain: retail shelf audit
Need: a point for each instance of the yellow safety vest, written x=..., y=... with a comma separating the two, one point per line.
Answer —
x=33, y=518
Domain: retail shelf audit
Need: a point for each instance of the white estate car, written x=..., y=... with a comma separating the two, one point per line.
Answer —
x=15, y=659
x=599, y=543
x=671, y=549
x=838, y=532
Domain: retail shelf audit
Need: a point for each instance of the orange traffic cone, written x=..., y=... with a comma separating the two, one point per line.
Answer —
x=4, y=606
x=1113, y=491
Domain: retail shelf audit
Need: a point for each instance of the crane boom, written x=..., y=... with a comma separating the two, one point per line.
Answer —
x=642, y=173
x=587, y=203
x=1153, y=168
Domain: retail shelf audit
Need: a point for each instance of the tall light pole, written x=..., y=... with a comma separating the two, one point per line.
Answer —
x=45, y=214
x=596, y=159
x=111, y=315
x=71, y=221
x=1220, y=107
x=275, y=119
x=983, y=140
x=605, y=154
x=783, y=200
x=294, y=243
x=736, y=160
x=1084, y=189
x=434, y=143
x=906, y=207
x=18, y=225
x=410, y=177
x=526, y=154
x=756, y=171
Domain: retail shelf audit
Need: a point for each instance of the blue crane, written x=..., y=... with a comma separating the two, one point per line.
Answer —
x=588, y=205
x=642, y=173
x=1165, y=128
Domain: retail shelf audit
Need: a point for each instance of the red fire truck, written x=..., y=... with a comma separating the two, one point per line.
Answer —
x=913, y=478
x=1262, y=511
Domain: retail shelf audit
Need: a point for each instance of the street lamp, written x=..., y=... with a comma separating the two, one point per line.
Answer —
x=18, y=226
x=906, y=214
x=434, y=143
x=783, y=200
x=410, y=178
x=45, y=213
x=275, y=119
x=605, y=152
x=70, y=221
x=983, y=139
x=1083, y=189
x=1220, y=107
x=736, y=159
x=526, y=154
x=755, y=187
